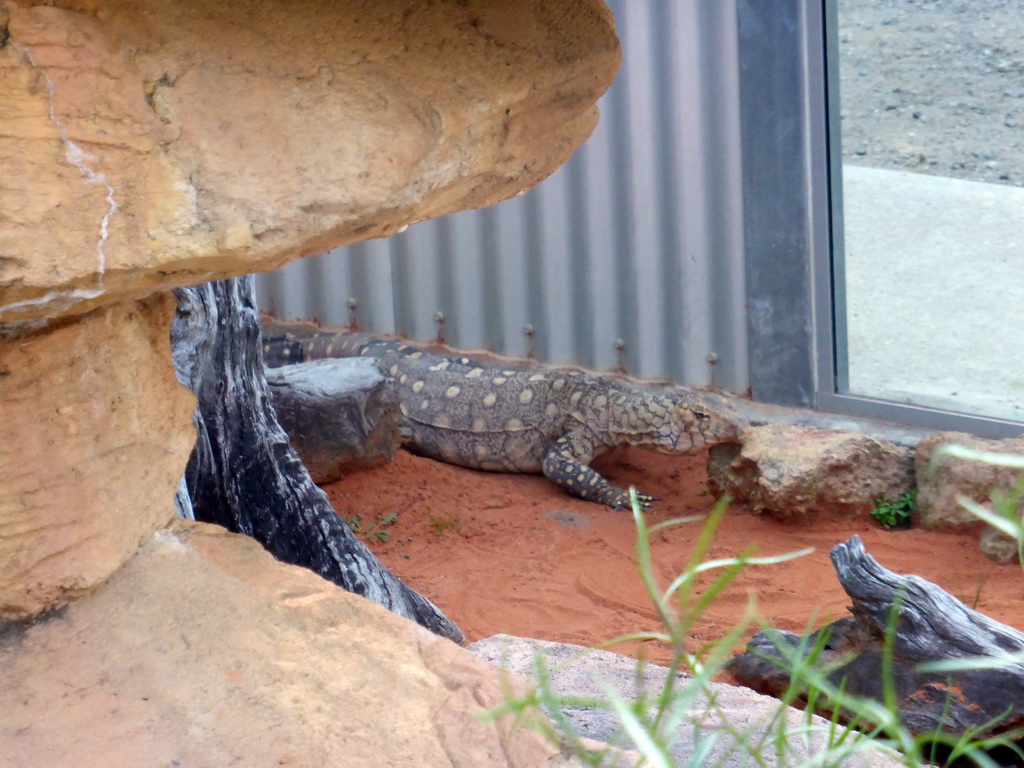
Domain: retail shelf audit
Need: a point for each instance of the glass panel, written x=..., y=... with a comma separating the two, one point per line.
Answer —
x=932, y=267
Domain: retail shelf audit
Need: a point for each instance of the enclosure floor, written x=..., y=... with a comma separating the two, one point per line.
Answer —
x=514, y=554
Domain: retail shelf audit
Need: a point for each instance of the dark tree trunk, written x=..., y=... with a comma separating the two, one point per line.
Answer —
x=927, y=624
x=244, y=475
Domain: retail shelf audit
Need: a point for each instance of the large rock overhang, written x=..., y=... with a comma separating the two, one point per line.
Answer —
x=149, y=144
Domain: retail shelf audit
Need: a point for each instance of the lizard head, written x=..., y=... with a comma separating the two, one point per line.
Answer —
x=697, y=423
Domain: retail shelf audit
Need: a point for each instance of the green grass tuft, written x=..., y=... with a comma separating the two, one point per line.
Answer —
x=450, y=522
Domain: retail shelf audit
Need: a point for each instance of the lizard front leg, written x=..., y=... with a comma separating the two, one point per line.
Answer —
x=566, y=464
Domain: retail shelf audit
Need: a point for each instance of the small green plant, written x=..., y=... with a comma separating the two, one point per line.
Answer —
x=450, y=522
x=371, y=531
x=895, y=514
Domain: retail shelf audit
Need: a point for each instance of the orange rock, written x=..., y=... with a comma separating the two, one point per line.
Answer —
x=149, y=144
x=97, y=431
x=205, y=651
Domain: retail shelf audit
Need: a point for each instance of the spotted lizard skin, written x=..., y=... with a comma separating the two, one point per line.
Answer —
x=523, y=418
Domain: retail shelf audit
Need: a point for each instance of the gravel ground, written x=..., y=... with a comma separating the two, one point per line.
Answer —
x=935, y=86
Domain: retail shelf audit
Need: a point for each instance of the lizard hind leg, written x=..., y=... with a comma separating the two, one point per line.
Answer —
x=566, y=465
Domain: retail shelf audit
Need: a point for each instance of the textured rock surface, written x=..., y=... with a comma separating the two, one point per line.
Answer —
x=938, y=487
x=341, y=416
x=792, y=472
x=97, y=431
x=204, y=651
x=150, y=144
x=745, y=711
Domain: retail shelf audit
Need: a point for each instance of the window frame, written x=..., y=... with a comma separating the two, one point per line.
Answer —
x=793, y=208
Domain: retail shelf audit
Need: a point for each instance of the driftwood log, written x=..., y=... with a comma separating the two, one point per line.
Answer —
x=929, y=624
x=341, y=415
x=244, y=475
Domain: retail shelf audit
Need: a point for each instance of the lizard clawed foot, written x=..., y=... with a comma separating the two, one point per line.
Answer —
x=645, y=501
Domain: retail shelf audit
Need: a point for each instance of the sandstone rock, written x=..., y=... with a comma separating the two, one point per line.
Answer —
x=97, y=431
x=737, y=710
x=939, y=486
x=996, y=545
x=149, y=144
x=341, y=416
x=204, y=651
x=792, y=472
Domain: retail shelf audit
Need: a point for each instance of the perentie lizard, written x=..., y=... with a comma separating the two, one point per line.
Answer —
x=522, y=419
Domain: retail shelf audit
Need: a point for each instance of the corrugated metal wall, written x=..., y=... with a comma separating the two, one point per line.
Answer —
x=632, y=251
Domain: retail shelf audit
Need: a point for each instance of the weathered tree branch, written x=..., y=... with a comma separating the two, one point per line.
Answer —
x=244, y=475
x=932, y=623
x=341, y=415
x=927, y=624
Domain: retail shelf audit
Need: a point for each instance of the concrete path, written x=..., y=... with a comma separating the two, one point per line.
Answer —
x=935, y=290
